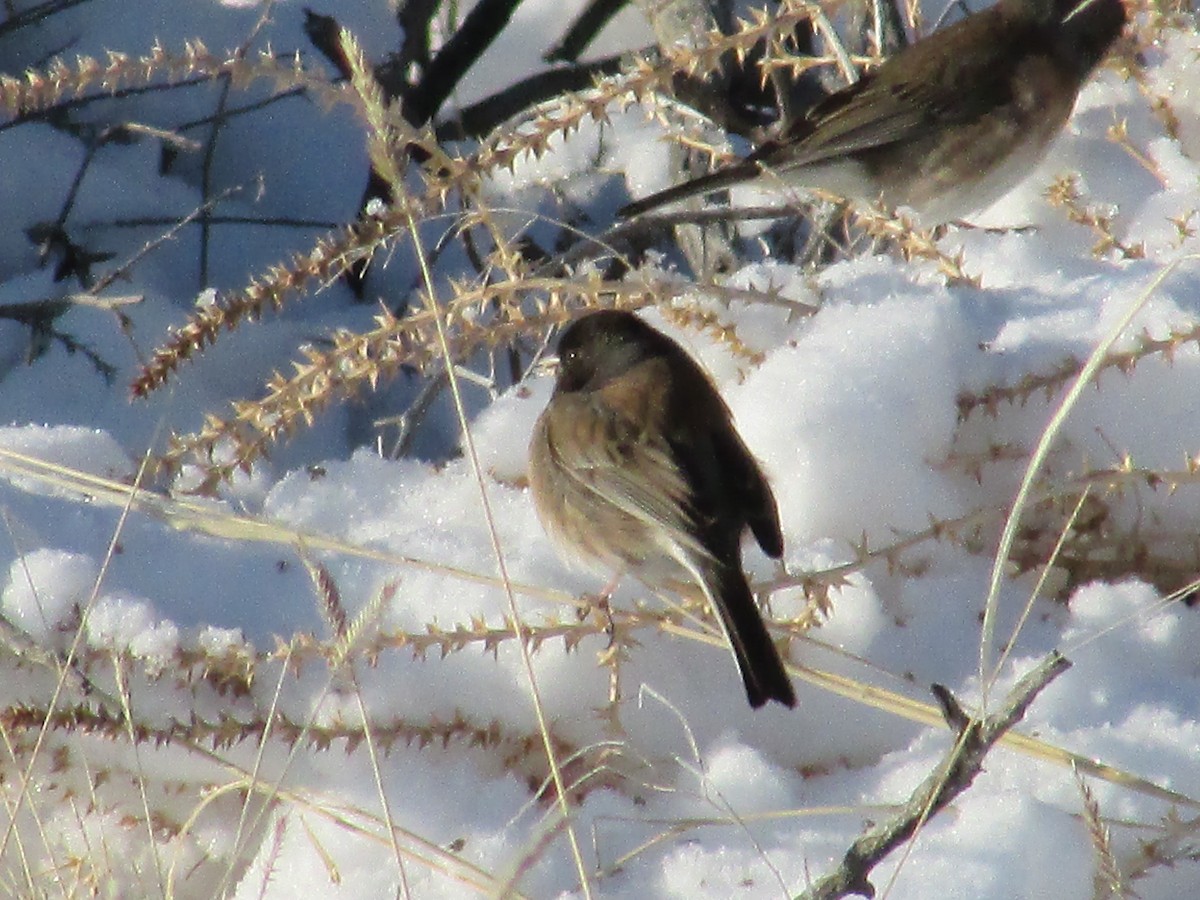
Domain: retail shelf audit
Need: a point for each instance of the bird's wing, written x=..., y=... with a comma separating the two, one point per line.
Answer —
x=628, y=463
x=751, y=491
x=729, y=488
x=871, y=117
x=907, y=94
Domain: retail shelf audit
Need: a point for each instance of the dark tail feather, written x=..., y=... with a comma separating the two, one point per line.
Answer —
x=705, y=184
x=757, y=658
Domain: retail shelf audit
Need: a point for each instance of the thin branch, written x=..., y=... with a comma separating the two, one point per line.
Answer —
x=480, y=118
x=36, y=14
x=479, y=29
x=584, y=29
x=954, y=774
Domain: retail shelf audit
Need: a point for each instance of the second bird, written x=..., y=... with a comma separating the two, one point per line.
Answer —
x=946, y=126
x=636, y=467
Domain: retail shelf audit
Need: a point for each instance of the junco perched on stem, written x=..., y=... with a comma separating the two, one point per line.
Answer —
x=636, y=467
x=946, y=126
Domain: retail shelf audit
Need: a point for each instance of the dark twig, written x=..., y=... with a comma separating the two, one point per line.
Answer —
x=199, y=213
x=479, y=118
x=233, y=112
x=325, y=34
x=39, y=316
x=584, y=30
x=36, y=14
x=954, y=774
x=290, y=222
x=123, y=270
x=220, y=118
x=412, y=418
x=482, y=25
x=81, y=100
x=415, y=18
x=207, y=177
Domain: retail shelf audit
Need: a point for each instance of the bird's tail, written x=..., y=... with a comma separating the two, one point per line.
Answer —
x=714, y=181
x=756, y=655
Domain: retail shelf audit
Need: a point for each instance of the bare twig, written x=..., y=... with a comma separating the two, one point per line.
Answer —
x=480, y=118
x=954, y=774
x=584, y=29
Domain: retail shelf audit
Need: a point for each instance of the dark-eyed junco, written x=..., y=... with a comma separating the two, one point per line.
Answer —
x=636, y=467
x=948, y=125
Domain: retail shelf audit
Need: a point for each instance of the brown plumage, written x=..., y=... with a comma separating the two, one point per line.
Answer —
x=636, y=467
x=946, y=126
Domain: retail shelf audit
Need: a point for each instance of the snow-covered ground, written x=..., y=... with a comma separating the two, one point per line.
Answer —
x=857, y=413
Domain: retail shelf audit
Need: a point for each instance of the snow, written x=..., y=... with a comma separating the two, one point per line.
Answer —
x=854, y=413
x=42, y=589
